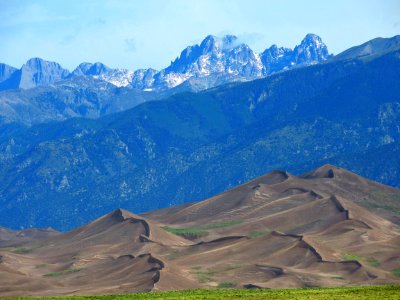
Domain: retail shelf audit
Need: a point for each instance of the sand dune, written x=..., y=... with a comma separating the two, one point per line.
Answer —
x=324, y=228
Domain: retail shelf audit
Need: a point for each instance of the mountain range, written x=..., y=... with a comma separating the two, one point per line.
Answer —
x=92, y=90
x=95, y=90
x=189, y=146
x=225, y=56
x=275, y=231
x=43, y=91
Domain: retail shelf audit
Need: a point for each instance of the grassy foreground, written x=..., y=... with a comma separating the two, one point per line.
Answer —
x=366, y=292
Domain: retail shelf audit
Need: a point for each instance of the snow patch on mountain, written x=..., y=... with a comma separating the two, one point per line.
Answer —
x=117, y=77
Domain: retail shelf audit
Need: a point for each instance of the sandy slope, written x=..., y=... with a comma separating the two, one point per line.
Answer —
x=275, y=231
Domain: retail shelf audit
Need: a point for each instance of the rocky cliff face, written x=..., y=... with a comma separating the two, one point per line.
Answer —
x=37, y=72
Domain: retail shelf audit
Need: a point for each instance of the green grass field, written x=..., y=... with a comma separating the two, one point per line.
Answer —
x=366, y=292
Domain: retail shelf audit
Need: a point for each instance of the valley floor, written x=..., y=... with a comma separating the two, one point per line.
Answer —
x=361, y=292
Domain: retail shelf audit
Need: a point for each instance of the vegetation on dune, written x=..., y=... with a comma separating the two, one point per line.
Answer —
x=204, y=276
x=227, y=268
x=200, y=231
x=226, y=285
x=396, y=272
x=174, y=253
x=364, y=292
x=258, y=233
x=222, y=224
x=387, y=201
x=373, y=262
x=22, y=250
x=189, y=233
x=60, y=273
x=351, y=256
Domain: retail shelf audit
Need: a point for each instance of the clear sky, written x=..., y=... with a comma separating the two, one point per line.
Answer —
x=150, y=33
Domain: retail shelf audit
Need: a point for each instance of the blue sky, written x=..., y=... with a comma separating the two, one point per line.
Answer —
x=138, y=34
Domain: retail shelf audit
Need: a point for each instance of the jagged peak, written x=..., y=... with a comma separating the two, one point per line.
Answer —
x=273, y=47
x=99, y=68
x=82, y=67
x=99, y=65
x=209, y=38
x=209, y=44
x=228, y=38
x=312, y=39
x=87, y=68
x=85, y=64
x=275, y=50
x=36, y=62
x=225, y=42
x=230, y=41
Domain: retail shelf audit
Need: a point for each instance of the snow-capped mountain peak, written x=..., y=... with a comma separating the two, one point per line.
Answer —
x=213, y=56
x=118, y=77
x=226, y=58
x=311, y=50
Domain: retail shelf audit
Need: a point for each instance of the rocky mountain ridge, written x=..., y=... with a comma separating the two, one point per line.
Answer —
x=225, y=56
